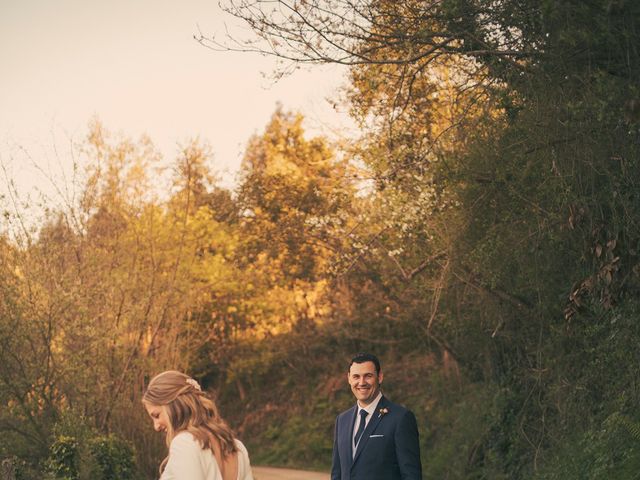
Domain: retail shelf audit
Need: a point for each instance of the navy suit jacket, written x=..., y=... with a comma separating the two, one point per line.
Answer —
x=388, y=450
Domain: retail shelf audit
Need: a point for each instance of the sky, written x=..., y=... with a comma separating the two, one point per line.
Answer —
x=135, y=66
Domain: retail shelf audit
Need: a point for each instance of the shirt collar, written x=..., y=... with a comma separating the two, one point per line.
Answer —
x=372, y=406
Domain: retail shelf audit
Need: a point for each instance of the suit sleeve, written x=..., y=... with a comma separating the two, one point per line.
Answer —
x=335, y=462
x=408, y=447
x=184, y=459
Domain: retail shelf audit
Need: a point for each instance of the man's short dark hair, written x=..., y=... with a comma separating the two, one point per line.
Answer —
x=363, y=357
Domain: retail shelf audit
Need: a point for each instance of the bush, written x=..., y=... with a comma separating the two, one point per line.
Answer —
x=113, y=457
x=100, y=458
x=63, y=460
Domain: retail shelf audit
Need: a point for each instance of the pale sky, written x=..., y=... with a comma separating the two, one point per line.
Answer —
x=135, y=66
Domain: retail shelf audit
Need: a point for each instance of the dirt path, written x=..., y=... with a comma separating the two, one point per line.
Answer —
x=269, y=473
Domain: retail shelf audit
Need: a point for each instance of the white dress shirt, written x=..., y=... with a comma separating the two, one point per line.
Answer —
x=370, y=409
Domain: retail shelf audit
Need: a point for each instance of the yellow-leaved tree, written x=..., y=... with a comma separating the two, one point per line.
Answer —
x=107, y=293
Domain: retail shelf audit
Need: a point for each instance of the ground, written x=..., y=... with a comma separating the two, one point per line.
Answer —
x=269, y=473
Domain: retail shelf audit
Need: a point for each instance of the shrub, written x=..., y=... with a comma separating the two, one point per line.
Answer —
x=102, y=457
x=113, y=458
x=63, y=460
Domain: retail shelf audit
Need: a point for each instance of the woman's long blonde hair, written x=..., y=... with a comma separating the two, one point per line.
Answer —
x=190, y=410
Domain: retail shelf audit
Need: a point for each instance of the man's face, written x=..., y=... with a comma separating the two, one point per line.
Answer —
x=365, y=383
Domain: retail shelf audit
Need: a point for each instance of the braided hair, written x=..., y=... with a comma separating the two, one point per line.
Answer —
x=190, y=410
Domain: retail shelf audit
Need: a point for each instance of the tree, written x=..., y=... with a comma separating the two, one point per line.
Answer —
x=491, y=130
x=292, y=195
x=108, y=292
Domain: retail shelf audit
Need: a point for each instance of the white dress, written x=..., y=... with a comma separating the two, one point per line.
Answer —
x=188, y=461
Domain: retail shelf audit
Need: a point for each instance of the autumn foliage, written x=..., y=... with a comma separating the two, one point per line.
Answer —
x=481, y=236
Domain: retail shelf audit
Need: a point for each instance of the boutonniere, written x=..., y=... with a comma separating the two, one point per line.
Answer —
x=382, y=412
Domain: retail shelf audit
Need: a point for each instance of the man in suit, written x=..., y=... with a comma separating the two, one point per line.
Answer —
x=375, y=439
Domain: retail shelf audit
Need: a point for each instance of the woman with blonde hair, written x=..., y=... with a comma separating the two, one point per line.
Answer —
x=201, y=445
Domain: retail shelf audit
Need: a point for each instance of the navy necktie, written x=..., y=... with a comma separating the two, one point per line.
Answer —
x=363, y=422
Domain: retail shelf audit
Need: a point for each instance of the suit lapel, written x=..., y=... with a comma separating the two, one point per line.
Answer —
x=371, y=427
x=348, y=442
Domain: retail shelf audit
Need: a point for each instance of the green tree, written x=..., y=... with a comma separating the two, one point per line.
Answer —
x=293, y=194
x=502, y=140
